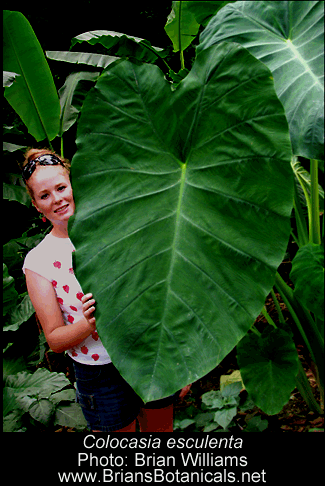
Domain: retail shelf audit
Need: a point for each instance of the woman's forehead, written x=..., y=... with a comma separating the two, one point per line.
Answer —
x=47, y=176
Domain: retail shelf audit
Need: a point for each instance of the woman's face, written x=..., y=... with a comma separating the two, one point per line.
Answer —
x=52, y=192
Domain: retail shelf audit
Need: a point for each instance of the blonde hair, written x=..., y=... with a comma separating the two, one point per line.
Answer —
x=33, y=153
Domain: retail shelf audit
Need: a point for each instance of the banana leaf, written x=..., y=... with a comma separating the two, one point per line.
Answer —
x=287, y=36
x=183, y=202
x=33, y=94
x=88, y=58
x=119, y=44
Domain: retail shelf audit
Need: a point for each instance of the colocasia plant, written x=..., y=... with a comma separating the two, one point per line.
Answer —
x=187, y=202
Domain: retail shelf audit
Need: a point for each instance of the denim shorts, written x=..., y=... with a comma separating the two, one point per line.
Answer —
x=108, y=402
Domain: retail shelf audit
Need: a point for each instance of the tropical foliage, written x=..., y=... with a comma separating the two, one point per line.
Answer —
x=184, y=183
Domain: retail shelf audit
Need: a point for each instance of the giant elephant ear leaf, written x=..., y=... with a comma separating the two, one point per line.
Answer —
x=288, y=37
x=183, y=201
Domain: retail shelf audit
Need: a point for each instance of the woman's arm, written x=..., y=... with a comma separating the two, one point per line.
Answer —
x=59, y=336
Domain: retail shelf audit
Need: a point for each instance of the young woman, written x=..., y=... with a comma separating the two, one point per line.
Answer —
x=67, y=315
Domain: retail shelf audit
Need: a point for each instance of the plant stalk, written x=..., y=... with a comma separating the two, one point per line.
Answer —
x=305, y=390
x=268, y=317
x=314, y=223
x=309, y=330
x=278, y=308
x=300, y=220
x=180, y=37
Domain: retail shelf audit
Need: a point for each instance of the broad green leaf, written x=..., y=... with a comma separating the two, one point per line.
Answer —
x=72, y=95
x=63, y=396
x=10, y=294
x=181, y=26
x=12, y=147
x=42, y=410
x=204, y=10
x=268, y=366
x=183, y=201
x=224, y=417
x=70, y=416
x=288, y=36
x=33, y=94
x=213, y=399
x=19, y=314
x=41, y=383
x=89, y=58
x=12, y=192
x=120, y=45
x=182, y=424
x=234, y=377
x=307, y=275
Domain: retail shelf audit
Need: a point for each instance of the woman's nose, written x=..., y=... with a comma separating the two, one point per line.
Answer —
x=57, y=197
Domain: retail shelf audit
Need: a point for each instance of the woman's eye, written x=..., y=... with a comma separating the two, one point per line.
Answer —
x=44, y=196
x=61, y=188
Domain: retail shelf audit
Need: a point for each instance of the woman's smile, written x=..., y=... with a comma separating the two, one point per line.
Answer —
x=62, y=209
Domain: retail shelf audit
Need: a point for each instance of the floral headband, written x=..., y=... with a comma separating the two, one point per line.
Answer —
x=47, y=159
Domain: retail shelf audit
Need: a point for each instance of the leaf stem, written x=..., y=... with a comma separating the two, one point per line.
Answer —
x=255, y=331
x=268, y=317
x=314, y=223
x=180, y=36
x=305, y=390
x=300, y=220
x=278, y=308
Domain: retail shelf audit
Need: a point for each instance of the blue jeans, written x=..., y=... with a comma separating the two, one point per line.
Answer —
x=108, y=402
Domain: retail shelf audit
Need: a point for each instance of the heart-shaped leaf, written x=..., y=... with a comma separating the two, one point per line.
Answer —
x=289, y=38
x=268, y=366
x=183, y=201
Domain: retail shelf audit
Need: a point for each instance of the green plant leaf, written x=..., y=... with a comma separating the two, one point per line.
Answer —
x=204, y=10
x=10, y=294
x=19, y=314
x=88, y=58
x=183, y=201
x=12, y=192
x=288, y=36
x=118, y=44
x=268, y=366
x=33, y=94
x=42, y=383
x=307, y=274
x=181, y=26
x=70, y=416
x=212, y=399
x=224, y=417
x=42, y=410
x=256, y=424
x=72, y=95
x=232, y=390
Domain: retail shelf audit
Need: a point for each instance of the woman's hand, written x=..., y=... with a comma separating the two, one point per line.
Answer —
x=88, y=308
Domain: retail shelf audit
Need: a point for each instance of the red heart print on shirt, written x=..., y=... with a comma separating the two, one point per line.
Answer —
x=95, y=357
x=73, y=308
x=84, y=349
x=57, y=264
x=66, y=288
x=79, y=295
x=94, y=335
x=70, y=319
